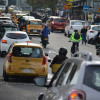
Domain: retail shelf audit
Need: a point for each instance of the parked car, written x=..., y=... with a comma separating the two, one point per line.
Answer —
x=11, y=37
x=92, y=32
x=73, y=25
x=73, y=81
x=25, y=60
x=56, y=23
x=34, y=26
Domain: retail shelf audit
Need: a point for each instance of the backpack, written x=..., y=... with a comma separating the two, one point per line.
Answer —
x=77, y=36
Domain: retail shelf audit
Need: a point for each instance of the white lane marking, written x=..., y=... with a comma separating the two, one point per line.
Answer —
x=51, y=51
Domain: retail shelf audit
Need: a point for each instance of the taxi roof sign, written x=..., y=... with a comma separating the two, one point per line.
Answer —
x=69, y=5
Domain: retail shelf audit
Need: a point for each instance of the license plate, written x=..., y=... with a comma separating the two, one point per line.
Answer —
x=34, y=30
x=60, y=28
x=27, y=70
x=45, y=38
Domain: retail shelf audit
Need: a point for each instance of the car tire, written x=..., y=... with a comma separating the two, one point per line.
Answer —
x=1, y=54
x=6, y=78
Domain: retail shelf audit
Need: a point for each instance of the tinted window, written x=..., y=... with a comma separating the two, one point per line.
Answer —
x=16, y=36
x=60, y=20
x=92, y=77
x=73, y=76
x=63, y=73
x=36, y=22
x=97, y=28
x=77, y=23
x=27, y=52
x=5, y=19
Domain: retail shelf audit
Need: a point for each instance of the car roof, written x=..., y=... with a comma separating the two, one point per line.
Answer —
x=55, y=17
x=16, y=32
x=94, y=25
x=78, y=20
x=34, y=20
x=27, y=44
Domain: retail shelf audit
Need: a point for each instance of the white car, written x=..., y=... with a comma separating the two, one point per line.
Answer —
x=73, y=25
x=92, y=32
x=12, y=37
x=6, y=20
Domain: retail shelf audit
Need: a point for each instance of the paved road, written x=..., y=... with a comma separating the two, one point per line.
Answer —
x=26, y=89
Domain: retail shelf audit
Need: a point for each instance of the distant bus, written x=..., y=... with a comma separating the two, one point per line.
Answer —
x=4, y=3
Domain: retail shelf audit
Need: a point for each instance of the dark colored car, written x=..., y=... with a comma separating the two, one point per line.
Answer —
x=76, y=79
x=56, y=23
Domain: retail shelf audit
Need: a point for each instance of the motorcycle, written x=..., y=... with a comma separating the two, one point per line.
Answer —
x=45, y=41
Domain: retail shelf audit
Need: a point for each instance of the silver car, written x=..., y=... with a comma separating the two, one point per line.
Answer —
x=76, y=79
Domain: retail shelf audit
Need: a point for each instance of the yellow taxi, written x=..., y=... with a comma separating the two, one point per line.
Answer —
x=25, y=60
x=34, y=26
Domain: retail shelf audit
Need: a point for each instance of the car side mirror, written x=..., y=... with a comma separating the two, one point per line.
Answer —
x=40, y=81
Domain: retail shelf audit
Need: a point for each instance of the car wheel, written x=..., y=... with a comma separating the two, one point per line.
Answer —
x=1, y=54
x=6, y=78
x=40, y=97
x=62, y=31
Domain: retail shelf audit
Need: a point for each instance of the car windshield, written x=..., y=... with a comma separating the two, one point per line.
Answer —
x=16, y=36
x=60, y=20
x=28, y=52
x=77, y=23
x=92, y=77
x=36, y=22
x=96, y=28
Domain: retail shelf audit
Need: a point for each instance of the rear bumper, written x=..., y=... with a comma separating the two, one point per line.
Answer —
x=58, y=27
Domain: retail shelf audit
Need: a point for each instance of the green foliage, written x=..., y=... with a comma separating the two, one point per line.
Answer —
x=43, y=3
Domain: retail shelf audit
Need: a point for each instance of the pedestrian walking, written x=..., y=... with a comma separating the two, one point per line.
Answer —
x=83, y=32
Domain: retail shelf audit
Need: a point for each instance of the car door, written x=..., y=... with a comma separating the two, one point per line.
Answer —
x=52, y=91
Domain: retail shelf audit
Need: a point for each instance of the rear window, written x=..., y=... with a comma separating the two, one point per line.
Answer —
x=16, y=36
x=35, y=22
x=96, y=28
x=60, y=20
x=92, y=77
x=77, y=23
x=5, y=19
x=27, y=52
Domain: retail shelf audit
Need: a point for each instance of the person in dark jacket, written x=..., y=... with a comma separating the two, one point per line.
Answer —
x=58, y=59
x=83, y=32
x=45, y=32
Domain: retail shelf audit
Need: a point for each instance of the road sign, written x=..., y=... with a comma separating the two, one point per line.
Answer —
x=99, y=9
x=85, y=8
x=69, y=5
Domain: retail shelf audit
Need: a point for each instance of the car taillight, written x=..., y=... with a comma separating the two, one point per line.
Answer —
x=4, y=41
x=53, y=23
x=71, y=28
x=28, y=41
x=44, y=60
x=23, y=27
x=4, y=21
x=28, y=26
x=91, y=31
x=10, y=57
x=77, y=95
